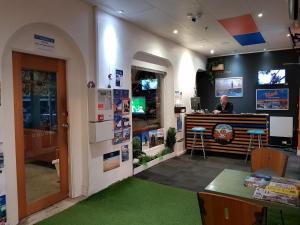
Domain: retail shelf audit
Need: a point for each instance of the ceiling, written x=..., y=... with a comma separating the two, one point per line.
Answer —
x=163, y=16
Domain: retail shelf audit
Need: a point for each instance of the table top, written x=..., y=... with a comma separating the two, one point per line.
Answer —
x=231, y=183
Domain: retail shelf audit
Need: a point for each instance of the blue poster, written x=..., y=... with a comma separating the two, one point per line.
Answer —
x=272, y=99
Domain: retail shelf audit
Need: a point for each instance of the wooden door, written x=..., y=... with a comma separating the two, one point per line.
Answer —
x=41, y=131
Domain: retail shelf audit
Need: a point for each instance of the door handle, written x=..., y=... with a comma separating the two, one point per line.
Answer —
x=65, y=125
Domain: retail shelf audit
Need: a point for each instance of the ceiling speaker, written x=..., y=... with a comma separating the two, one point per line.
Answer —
x=293, y=9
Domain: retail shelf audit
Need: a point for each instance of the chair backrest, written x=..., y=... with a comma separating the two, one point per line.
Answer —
x=268, y=158
x=222, y=210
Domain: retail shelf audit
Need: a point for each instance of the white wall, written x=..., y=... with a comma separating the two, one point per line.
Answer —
x=118, y=42
x=71, y=24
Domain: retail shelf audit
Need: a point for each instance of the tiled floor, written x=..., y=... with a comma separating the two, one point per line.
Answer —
x=196, y=173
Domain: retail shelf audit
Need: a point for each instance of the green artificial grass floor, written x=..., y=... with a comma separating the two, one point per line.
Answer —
x=133, y=202
x=138, y=202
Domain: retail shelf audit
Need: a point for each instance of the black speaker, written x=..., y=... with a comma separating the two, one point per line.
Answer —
x=293, y=9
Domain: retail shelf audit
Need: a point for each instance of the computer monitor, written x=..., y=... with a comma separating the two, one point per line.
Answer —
x=195, y=103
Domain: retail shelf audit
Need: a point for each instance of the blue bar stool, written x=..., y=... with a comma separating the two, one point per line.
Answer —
x=253, y=133
x=198, y=130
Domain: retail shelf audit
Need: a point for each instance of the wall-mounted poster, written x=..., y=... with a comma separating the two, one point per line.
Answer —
x=111, y=161
x=272, y=99
x=119, y=77
x=121, y=116
x=231, y=86
x=118, y=137
x=126, y=106
x=145, y=140
x=152, y=138
x=125, y=153
x=160, y=136
x=126, y=134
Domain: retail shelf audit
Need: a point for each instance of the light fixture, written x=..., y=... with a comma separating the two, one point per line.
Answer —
x=265, y=49
x=260, y=15
x=175, y=31
x=201, y=46
x=121, y=11
x=212, y=51
x=288, y=35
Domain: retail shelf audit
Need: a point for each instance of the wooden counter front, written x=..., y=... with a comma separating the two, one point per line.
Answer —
x=240, y=124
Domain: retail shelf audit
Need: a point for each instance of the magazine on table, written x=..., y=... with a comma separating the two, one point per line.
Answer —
x=257, y=180
x=264, y=194
x=280, y=190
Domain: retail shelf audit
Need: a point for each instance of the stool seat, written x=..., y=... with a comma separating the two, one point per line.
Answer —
x=198, y=129
x=255, y=132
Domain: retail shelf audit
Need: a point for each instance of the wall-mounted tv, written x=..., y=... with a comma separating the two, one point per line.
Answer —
x=149, y=84
x=271, y=77
x=138, y=105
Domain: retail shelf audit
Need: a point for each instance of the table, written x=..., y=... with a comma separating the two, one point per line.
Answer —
x=231, y=183
x=240, y=123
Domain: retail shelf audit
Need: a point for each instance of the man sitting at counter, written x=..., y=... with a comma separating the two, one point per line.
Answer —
x=224, y=106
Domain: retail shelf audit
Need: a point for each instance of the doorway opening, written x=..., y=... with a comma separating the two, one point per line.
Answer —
x=41, y=127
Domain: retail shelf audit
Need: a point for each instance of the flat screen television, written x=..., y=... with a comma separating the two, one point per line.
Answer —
x=271, y=77
x=138, y=105
x=149, y=84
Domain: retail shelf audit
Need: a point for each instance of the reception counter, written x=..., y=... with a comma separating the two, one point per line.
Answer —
x=226, y=132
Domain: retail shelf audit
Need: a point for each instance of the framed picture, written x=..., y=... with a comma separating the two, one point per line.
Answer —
x=272, y=99
x=231, y=86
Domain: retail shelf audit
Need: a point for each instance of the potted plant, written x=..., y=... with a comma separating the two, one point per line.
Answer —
x=171, y=138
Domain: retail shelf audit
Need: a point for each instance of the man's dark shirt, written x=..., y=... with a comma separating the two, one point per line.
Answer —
x=227, y=109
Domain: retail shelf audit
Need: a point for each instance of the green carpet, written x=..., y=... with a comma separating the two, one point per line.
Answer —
x=138, y=202
x=133, y=202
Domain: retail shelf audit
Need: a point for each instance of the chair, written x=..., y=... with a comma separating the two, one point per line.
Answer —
x=223, y=210
x=269, y=159
x=253, y=133
x=198, y=130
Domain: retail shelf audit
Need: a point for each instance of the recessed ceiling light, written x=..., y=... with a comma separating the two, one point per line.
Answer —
x=121, y=11
x=265, y=49
x=201, y=46
x=288, y=35
x=212, y=51
x=175, y=31
x=260, y=15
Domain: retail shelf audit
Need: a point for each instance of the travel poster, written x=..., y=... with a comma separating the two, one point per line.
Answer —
x=125, y=153
x=272, y=99
x=126, y=106
x=145, y=140
x=152, y=138
x=232, y=87
x=118, y=137
x=160, y=136
x=111, y=161
x=126, y=134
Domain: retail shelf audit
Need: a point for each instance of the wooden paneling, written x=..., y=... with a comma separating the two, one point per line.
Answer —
x=240, y=123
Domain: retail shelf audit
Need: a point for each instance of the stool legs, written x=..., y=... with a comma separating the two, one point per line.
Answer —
x=194, y=143
x=260, y=143
x=249, y=147
x=202, y=144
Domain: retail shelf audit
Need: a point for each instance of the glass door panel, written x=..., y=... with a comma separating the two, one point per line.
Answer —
x=41, y=149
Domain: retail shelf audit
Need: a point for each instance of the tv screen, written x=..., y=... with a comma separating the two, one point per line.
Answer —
x=271, y=77
x=149, y=84
x=138, y=105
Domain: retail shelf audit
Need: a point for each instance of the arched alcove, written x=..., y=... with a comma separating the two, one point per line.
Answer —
x=64, y=48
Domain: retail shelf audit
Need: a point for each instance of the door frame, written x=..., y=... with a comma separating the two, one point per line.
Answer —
x=40, y=63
